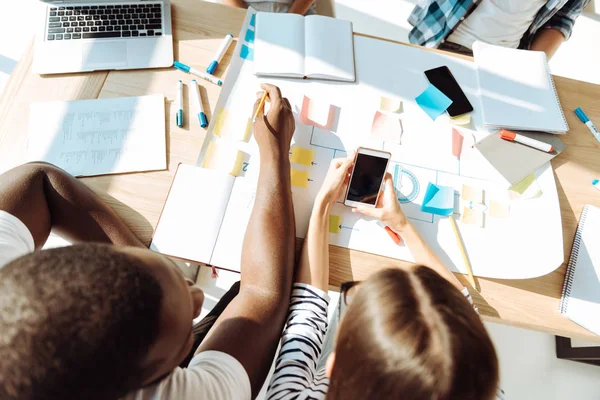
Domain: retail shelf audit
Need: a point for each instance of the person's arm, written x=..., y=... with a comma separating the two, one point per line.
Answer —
x=389, y=212
x=234, y=3
x=45, y=198
x=548, y=41
x=250, y=327
x=301, y=6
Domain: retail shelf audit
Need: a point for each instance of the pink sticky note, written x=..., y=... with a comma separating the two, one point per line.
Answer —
x=386, y=127
x=457, y=142
x=316, y=113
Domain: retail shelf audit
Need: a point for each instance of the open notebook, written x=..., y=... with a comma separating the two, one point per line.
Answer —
x=580, y=300
x=516, y=90
x=293, y=46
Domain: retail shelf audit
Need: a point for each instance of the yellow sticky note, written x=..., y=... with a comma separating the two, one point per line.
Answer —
x=527, y=189
x=472, y=216
x=223, y=158
x=299, y=178
x=463, y=119
x=470, y=193
x=227, y=128
x=389, y=104
x=335, y=222
x=221, y=126
x=302, y=156
x=498, y=209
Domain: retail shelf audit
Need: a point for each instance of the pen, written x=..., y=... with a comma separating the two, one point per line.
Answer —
x=584, y=118
x=596, y=183
x=179, y=111
x=260, y=105
x=198, y=102
x=220, y=53
x=395, y=237
x=536, y=144
x=199, y=74
x=463, y=252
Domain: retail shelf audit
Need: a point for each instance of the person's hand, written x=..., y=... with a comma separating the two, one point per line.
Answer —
x=274, y=132
x=338, y=174
x=388, y=209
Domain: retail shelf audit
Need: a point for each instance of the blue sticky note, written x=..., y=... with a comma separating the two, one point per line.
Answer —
x=247, y=53
x=250, y=36
x=253, y=20
x=433, y=101
x=439, y=200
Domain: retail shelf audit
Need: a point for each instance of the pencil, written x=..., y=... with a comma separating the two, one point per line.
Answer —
x=463, y=252
x=260, y=105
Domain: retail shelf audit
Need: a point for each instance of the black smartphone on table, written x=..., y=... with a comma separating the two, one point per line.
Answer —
x=443, y=79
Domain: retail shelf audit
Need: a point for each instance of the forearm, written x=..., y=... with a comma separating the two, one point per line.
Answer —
x=548, y=41
x=313, y=268
x=46, y=198
x=234, y=3
x=301, y=6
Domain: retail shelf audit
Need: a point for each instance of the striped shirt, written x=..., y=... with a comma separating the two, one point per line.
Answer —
x=300, y=367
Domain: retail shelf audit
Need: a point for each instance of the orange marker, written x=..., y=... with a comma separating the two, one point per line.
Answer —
x=395, y=237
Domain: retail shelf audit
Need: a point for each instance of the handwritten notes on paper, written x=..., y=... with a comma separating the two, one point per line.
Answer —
x=316, y=113
x=299, y=178
x=335, y=224
x=230, y=128
x=387, y=128
x=438, y=200
x=98, y=137
x=302, y=156
x=433, y=101
x=225, y=158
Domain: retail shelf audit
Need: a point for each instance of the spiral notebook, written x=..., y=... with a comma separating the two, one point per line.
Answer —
x=580, y=301
x=517, y=90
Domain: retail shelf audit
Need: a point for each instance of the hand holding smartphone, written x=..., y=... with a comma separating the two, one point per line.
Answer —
x=367, y=177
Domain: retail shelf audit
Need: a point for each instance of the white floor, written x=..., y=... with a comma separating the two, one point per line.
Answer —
x=529, y=368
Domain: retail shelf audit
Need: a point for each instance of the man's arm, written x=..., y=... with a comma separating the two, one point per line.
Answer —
x=250, y=327
x=301, y=6
x=234, y=3
x=46, y=198
x=548, y=41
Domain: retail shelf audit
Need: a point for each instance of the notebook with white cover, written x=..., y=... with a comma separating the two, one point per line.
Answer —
x=313, y=47
x=517, y=90
x=580, y=300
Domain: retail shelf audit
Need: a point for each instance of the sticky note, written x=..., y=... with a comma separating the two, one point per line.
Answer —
x=299, y=178
x=223, y=158
x=433, y=101
x=225, y=127
x=527, y=189
x=302, y=156
x=457, y=143
x=470, y=193
x=438, y=200
x=472, y=216
x=335, y=222
x=247, y=53
x=498, y=209
x=316, y=113
x=460, y=120
x=386, y=127
x=249, y=36
x=221, y=125
x=253, y=20
x=391, y=105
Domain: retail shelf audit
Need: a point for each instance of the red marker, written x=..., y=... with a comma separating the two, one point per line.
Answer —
x=395, y=237
x=536, y=144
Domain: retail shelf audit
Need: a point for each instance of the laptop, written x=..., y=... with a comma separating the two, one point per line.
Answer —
x=90, y=35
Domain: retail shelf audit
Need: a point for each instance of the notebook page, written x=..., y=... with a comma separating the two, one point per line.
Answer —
x=329, y=48
x=584, y=302
x=279, y=44
x=191, y=218
x=517, y=90
x=98, y=137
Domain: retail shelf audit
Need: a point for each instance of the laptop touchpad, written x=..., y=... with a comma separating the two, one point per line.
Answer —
x=100, y=54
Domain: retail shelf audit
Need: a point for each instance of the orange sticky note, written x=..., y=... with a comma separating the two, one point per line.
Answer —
x=498, y=209
x=457, y=143
x=472, y=216
x=316, y=113
x=470, y=193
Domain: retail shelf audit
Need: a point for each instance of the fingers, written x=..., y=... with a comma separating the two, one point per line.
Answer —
x=261, y=112
x=367, y=211
x=274, y=94
x=389, y=185
x=286, y=103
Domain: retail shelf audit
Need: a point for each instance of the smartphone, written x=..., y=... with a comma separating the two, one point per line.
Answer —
x=443, y=79
x=367, y=177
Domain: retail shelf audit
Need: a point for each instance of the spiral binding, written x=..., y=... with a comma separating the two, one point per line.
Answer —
x=566, y=292
x=560, y=109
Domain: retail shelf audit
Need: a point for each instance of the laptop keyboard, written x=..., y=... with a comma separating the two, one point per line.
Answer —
x=106, y=21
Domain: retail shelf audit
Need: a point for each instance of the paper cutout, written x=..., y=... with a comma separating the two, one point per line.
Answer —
x=470, y=193
x=391, y=105
x=335, y=222
x=299, y=178
x=302, y=156
x=253, y=20
x=387, y=128
x=223, y=158
x=247, y=53
x=464, y=119
x=439, y=200
x=433, y=101
x=498, y=209
x=472, y=216
x=225, y=128
x=527, y=189
x=457, y=143
x=249, y=36
x=316, y=113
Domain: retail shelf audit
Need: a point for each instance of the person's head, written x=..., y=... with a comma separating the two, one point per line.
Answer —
x=92, y=321
x=411, y=334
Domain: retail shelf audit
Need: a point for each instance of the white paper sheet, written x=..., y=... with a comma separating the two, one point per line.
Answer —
x=98, y=137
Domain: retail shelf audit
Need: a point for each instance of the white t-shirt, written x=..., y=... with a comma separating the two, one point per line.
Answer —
x=498, y=22
x=211, y=375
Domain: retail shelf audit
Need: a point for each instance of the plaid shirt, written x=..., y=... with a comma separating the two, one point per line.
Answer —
x=434, y=20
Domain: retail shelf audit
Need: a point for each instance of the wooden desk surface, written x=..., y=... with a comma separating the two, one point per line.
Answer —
x=198, y=30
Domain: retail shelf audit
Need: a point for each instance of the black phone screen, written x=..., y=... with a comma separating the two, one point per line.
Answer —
x=443, y=79
x=366, y=178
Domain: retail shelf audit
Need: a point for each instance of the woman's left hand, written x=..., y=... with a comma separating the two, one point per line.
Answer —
x=337, y=176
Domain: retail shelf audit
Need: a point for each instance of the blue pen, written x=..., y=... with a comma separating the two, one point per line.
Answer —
x=199, y=74
x=179, y=112
x=596, y=183
x=579, y=112
x=198, y=103
x=220, y=53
